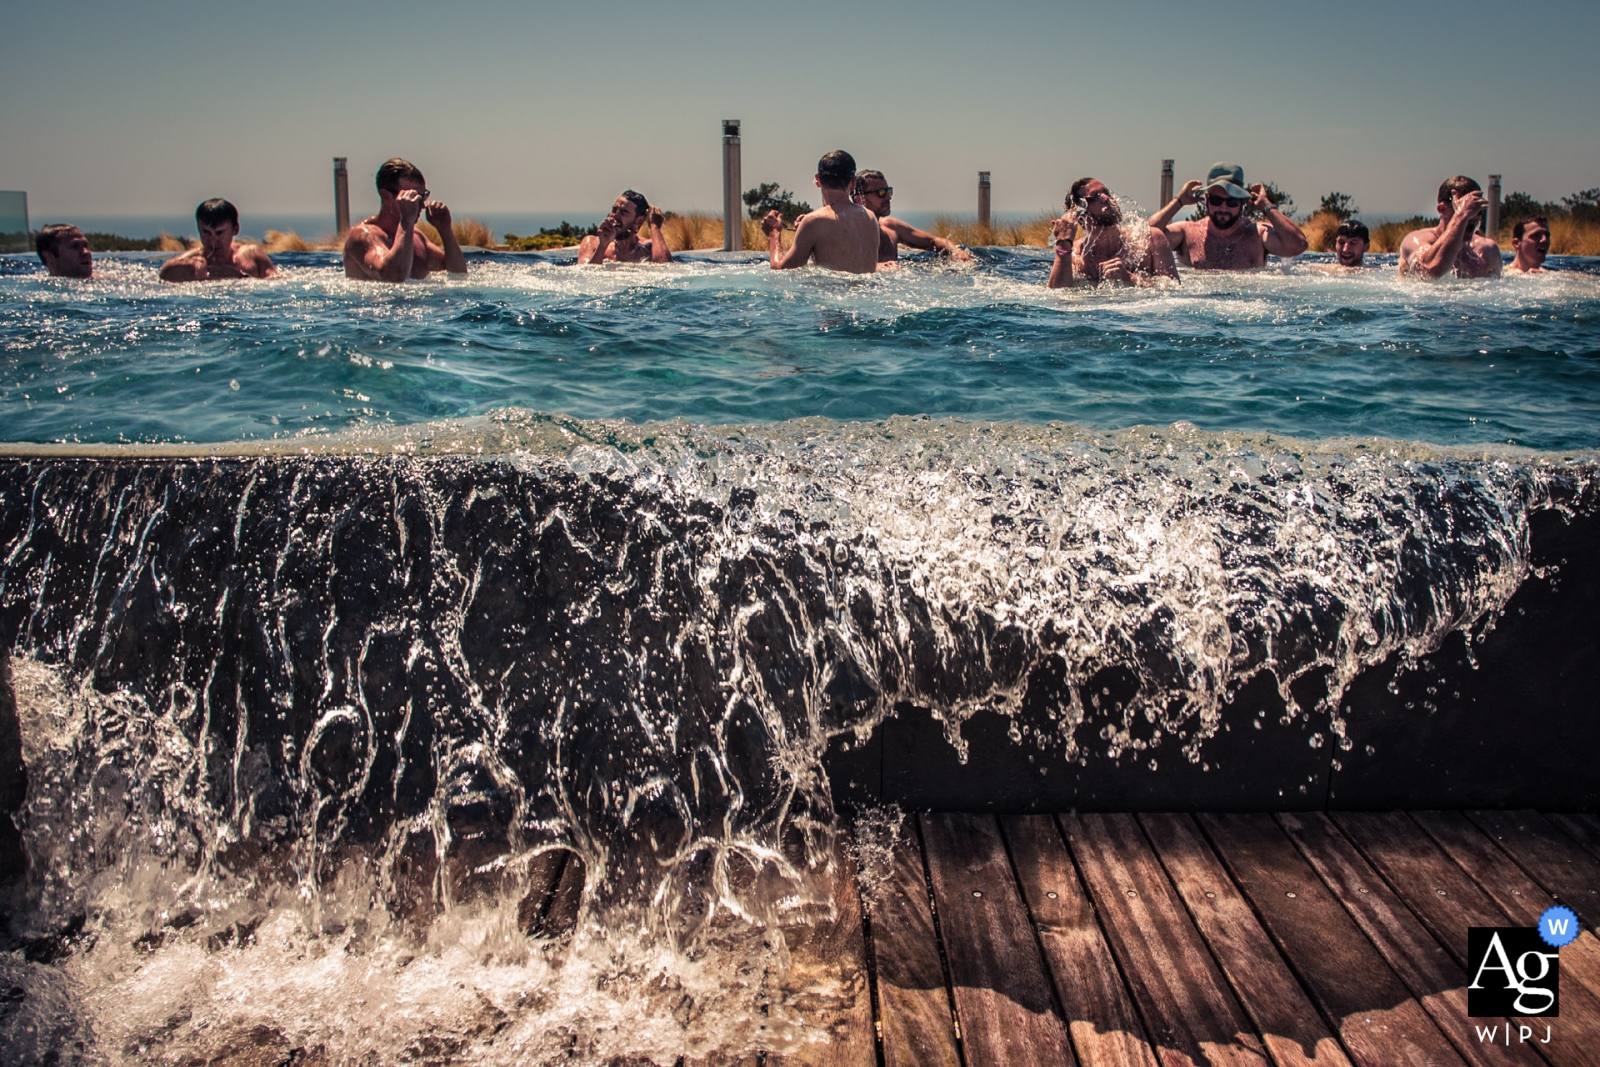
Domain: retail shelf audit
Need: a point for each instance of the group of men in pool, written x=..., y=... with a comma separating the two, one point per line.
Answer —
x=853, y=231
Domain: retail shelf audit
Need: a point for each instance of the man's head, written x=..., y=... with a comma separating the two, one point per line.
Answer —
x=1225, y=194
x=1453, y=188
x=64, y=251
x=218, y=221
x=837, y=170
x=630, y=209
x=1090, y=196
x=397, y=176
x=874, y=192
x=1530, y=240
x=1350, y=243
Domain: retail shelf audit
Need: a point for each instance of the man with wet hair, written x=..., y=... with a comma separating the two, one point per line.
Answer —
x=840, y=235
x=1530, y=241
x=64, y=251
x=1454, y=244
x=874, y=193
x=1224, y=239
x=220, y=255
x=1350, y=243
x=1111, y=250
x=387, y=246
x=616, y=240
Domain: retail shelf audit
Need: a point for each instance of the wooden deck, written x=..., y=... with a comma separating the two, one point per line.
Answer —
x=1224, y=940
x=1184, y=941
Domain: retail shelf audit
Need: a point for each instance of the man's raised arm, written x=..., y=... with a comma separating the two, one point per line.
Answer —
x=450, y=256
x=1434, y=258
x=1063, y=230
x=1280, y=235
x=799, y=253
x=1188, y=196
x=659, y=252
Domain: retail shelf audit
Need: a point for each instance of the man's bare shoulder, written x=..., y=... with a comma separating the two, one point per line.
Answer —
x=1420, y=238
x=362, y=233
x=253, y=258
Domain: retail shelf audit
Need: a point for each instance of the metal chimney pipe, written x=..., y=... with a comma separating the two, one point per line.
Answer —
x=732, y=219
x=1166, y=184
x=341, y=194
x=983, y=198
x=1492, y=223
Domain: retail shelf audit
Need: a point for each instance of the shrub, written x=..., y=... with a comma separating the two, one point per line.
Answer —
x=765, y=197
x=1340, y=205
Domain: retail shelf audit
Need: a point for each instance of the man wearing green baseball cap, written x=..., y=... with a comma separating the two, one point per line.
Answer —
x=1224, y=239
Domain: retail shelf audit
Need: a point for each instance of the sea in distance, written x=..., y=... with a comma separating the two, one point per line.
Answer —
x=469, y=671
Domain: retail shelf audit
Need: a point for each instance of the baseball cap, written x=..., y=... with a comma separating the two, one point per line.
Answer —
x=1230, y=176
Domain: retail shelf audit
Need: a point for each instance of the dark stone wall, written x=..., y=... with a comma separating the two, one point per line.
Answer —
x=1518, y=729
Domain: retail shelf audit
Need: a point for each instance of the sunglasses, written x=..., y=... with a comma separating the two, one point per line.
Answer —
x=882, y=194
x=1224, y=201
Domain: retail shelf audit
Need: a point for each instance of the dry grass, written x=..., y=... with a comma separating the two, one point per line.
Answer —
x=1320, y=230
x=470, y=233
x=169, y=243
x=692, y=230
x=967, y=231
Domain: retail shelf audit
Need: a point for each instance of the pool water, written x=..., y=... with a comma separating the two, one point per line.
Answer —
x=720, y=339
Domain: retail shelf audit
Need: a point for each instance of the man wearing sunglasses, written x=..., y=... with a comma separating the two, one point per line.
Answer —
x=1454, y=244
x=387, y=246
x=1111, y=250
x=1224, y=239
x=874, y=193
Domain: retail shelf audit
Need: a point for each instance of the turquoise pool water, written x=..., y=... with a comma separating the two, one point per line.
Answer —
x=722, y=340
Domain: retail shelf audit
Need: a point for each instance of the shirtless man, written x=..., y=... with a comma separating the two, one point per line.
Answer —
x=616, y=240
x=1530, y=240
x=1225, y=239
x=1452, y=245
x=1350, y=243
x=840, y=234
x=387, y=246
x=219, y=255
x=874, y=193
x=1103, y=254
x=64, y=251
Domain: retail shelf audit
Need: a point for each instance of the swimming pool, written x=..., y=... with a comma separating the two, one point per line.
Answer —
x=1289, y=351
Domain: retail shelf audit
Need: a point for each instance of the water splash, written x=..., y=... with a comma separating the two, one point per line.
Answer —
x=324, y=717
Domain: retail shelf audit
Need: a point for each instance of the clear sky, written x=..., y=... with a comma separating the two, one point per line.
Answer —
x=132, y=108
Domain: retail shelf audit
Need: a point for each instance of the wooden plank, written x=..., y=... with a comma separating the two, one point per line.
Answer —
x=1448, y=901
x=913, y=1000
x=1105, y=1028
x=827, y=982
x=1584, y=829
x=1553, y=859
x=1293, y=1030
x=544, y=871
x=1437, y=981
x=1189, y=1012
x=560, y=916
x=1003, y=997
x=1439, y=892
x=1518, y=895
